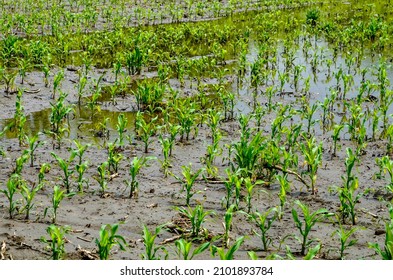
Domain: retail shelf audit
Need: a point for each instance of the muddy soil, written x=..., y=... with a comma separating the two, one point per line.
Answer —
x=158, y=197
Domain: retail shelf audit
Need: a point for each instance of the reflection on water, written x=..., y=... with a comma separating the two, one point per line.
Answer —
x=81, y=123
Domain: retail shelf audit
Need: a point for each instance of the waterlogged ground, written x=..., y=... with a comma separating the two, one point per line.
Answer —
x=158, y=197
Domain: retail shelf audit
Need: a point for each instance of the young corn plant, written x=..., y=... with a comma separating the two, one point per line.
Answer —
x=28, y=195
x=46, y=71
x=165, y=163
x=24, y=66
x=145, y=130
x=135, y=167
x=197, y=217
x=151, y=250
x=65, y=167
x=389, y=136
x=174, y=130
x=282, y=195
x=308, y=114
x=34, y=143
x=45, y=168
x=247, y=152
x=249, y=186
x=309, y=219
x=12, y=188
x=58, y=78
x=313, y=158
x=8, y=77
x=386, y=253
x=386, y=166
x=228, y=217
x=345, y=241
x=56, y=243
x=188, y=181
x=212, y=152
x=102, y=179
x=80, y=86
x=184, y=249
x=264, y=222
x=59, y=112
x=121, y=126
x=114, y=157
x=346, y=193
x=20, y=162
x=228, y=254
x=57, y=197
x=108, y=239
x=93, y=104
x=229, y=187
x=187, y=115
x=336, y=136
x=81, y=166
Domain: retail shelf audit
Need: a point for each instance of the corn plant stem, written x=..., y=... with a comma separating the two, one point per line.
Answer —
x=284, y=170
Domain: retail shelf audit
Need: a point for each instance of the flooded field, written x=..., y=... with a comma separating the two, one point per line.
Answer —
x=261, y=126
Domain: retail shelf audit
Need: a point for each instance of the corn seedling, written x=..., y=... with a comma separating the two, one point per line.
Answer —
x=228, y=217
x=65, y=167
x=247, y=151
x=8, y=77
x=336, y=136
x=346, y=193
x=313, y=157
x=20, y=162
x=81, y=85
x=228, y=254
x=282, y=195
x=249, y=186
x=188, y=180
x=46, y=71
x=24, y=65
x=174, y=130
x=28, y=195
x=45, y=168
x=108, y=239
x=230, y=185
x=145, y=130
x=186, y=115
x=311, y=253
x=387, y=252
x=165, y=163
x=92, y=104
x=264, y=222
x=184, y=249
x=102, y=179
x=57, y=240
x=59, y=112
x=308, y=114
x=34, y=143
x=135, y=167
x=57, y=82
x=121, y=128
x=386, y=166
x=345, y=241
x=57, y=197
x=114, y=157
x=12, y=187
x=81, y=166
x=196, y=216
x=212, y=152
x=151, y=250
x=310, y=219
x=389, y=136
